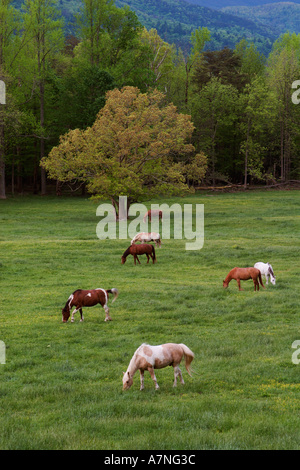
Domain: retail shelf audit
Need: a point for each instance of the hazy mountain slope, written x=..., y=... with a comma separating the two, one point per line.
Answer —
x=281, y=17
x=176, y=19
x=218, y=4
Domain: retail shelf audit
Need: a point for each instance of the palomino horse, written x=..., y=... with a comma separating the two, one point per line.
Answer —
x=148, y=357
x=242, y=274
x=152, y=213
x=142, y=249
x=267, y=271
x=147, y=237
x=88, y=298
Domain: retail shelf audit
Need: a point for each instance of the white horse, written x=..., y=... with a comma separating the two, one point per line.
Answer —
x=147, y=237
x=148, y=357
x=266, y=270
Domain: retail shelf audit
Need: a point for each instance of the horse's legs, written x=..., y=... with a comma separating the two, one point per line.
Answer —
x=73, y=313
x=177, y=373
x=142, y=379
x=81, y=315
x=107, y=317
x=239, y=284
x=134, y=257
x=267, y=276
x=151, y=371
x=138, y=259
x=147, y=258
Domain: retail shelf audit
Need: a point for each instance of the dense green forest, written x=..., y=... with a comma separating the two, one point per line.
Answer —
x=240, y=101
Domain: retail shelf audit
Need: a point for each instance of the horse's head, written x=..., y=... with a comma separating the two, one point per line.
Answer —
x=273, y=278
x=127, y=380
x=123, y=260
x=65, y=314
x=225, y=284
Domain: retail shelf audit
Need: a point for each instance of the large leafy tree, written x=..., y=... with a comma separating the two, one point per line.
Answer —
x=129, y=150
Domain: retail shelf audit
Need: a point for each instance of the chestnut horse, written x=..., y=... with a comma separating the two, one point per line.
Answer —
x=243, y=274
x=142, y=249
x=152, y=213
x=147, y=237
x=148, y=357
x=88, y=298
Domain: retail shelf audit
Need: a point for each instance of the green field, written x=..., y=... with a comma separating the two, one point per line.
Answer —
x=61, y=386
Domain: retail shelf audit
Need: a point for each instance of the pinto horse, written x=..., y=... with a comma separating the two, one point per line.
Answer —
x=88, y=298
x=142, y=249
x=267, y=271
x=147, y=237
x=152, y=213
x=148, y=357
x=243, y=274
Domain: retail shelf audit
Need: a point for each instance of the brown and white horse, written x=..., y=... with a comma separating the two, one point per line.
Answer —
x=148, y=358
x=88, y=298
x=147, y=237
x=152, y=213
x=243, y=274
x=142, y=249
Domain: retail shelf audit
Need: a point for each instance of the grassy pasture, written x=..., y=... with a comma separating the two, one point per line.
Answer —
x=61, y=386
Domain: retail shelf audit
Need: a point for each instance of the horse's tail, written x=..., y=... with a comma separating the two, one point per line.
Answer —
x=113, y=291
x=260, y=279
x=188, y=356
x=154, y=255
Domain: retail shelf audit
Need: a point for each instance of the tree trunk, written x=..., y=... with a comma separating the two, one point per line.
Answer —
x=246, y=156
x=2, y=163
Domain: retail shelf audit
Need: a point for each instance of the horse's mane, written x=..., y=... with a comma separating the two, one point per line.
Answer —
x=271, y=270
x=67, y=302
x=126, y=252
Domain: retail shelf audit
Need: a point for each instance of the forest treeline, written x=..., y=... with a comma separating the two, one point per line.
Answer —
x=240, y=102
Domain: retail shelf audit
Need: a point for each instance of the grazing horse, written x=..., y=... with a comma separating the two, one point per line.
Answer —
x=88, y=298
x=147, y=237
x=148, y=357
x=152, y=213
x=142, y=249
x=242, y=274
x=267, y=271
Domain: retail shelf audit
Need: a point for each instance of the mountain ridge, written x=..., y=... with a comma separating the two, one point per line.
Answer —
x=226, y=29
x=219, y=4
x=280, y=16
x=175, y=20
